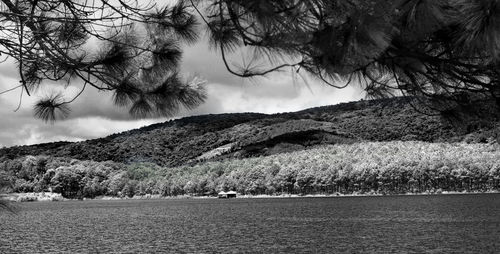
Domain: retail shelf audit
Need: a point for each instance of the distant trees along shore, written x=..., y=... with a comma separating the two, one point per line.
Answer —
x=384, y=168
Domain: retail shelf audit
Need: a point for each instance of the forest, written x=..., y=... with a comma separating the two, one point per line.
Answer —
x=178, y=142
x=394, y=167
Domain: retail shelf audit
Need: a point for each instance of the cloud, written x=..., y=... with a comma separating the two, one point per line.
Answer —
x=95, y=103
x=277, y=95
x=26, y=131
x=93, y=114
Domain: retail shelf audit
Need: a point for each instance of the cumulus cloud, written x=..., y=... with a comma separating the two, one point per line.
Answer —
x=93, y=114
x=276, y=95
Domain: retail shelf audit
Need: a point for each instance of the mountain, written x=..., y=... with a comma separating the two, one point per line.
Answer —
x=240, y=135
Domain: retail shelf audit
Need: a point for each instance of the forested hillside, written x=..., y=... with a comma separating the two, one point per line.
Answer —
x=213, y=137
x=375, y=168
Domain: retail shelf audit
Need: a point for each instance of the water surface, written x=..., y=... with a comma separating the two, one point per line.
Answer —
x=388, y=224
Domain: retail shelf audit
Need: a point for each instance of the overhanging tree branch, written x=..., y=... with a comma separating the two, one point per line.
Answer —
x=56, y=41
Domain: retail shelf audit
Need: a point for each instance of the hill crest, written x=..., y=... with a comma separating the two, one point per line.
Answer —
x=213, y=137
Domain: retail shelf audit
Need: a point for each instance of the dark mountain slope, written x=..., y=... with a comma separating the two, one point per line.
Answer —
x=191, y=139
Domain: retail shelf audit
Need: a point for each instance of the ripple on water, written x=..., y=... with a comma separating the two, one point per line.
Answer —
x=414, y=224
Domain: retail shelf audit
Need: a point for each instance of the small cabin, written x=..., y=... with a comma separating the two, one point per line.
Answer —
x=229, y=194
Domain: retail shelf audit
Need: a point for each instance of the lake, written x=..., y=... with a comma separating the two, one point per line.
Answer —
x=382, y=224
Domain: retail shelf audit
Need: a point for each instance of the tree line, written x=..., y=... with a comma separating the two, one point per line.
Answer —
x=364, y=168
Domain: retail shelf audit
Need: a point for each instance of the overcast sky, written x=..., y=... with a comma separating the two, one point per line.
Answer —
x=93, y=114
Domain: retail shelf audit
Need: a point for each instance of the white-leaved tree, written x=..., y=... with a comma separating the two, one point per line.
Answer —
x=442, y=50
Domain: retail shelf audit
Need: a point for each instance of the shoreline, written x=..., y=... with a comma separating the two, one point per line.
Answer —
x=56, y=197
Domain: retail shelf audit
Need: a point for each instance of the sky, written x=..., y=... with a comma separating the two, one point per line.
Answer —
x=93, y=114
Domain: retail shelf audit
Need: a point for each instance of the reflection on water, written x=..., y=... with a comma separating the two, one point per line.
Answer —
x=412, y=224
